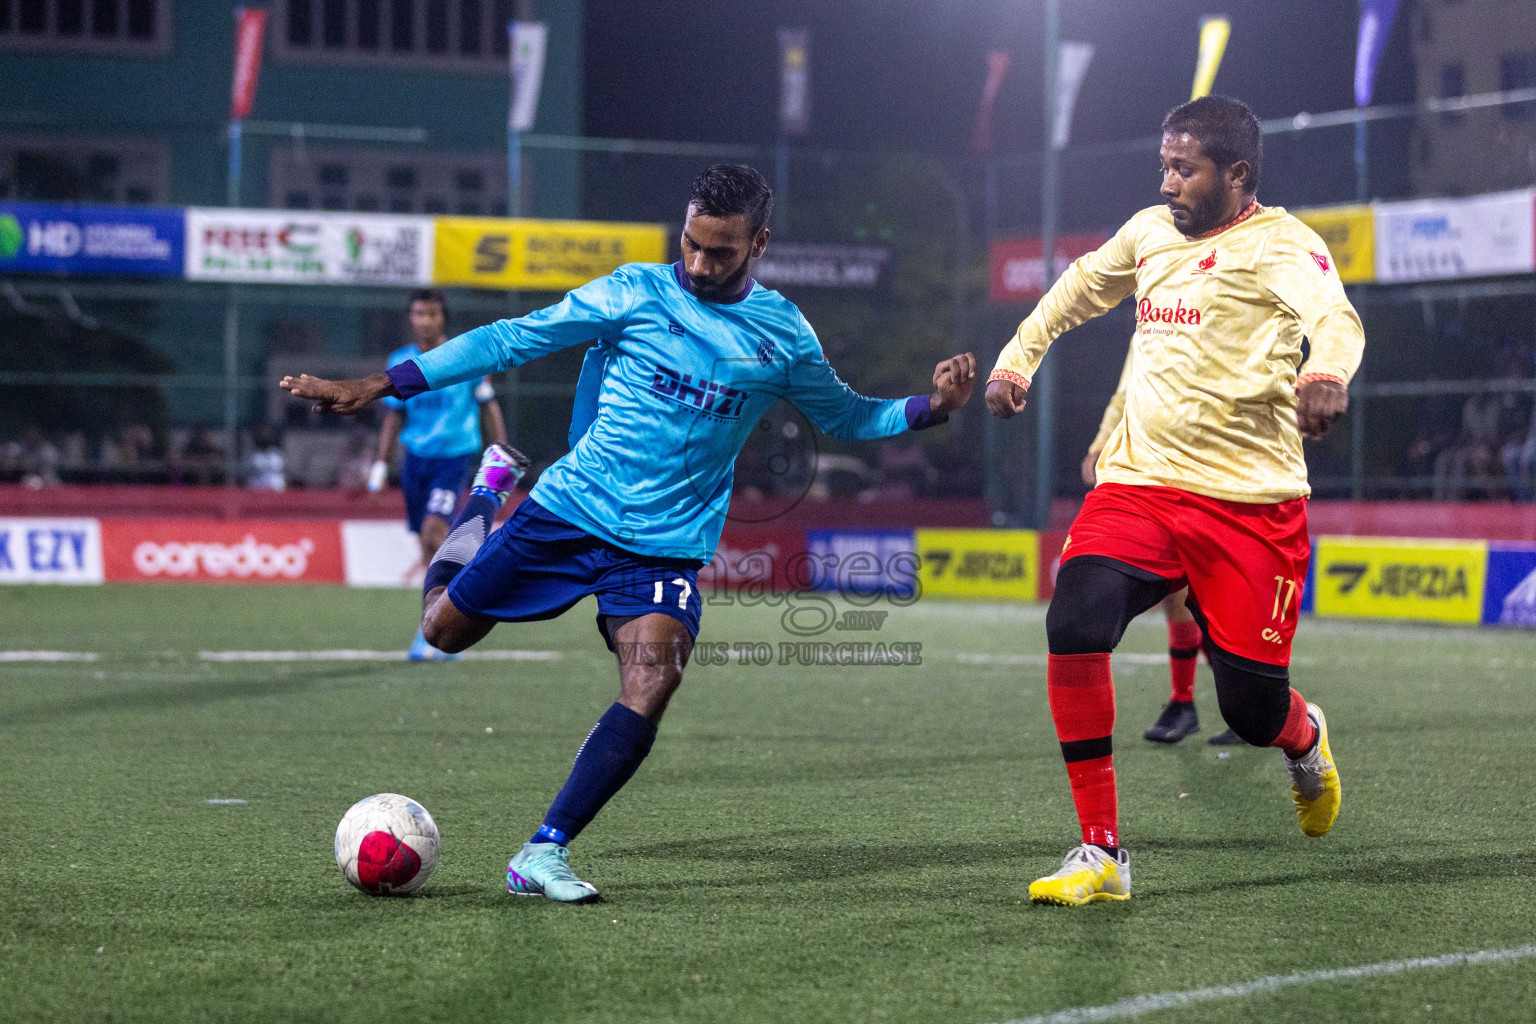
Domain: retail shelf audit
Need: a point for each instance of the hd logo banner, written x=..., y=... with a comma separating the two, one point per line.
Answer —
x=998, y=565
x=58, y=239
x=539, y=255
x=1385, y=578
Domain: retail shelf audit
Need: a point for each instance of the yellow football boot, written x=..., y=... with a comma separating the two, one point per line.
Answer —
x=1087, y=875
x=1315, y=786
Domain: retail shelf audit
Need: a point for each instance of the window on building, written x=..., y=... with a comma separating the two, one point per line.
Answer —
x=454, y=35
x=397, y=181
x=1517, y=71
x=102, y=26
x=83, y=170
x=333, y=24
x=1453, y=83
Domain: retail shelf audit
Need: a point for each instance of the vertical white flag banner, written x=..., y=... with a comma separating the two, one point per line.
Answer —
x=528, y=45
x=794, y=81
x=1072, y=62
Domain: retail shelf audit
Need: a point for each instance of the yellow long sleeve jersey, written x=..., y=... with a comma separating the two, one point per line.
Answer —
x=1210, y=403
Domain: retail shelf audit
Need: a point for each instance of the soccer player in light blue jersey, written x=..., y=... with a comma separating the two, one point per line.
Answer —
x=687, y=360
x=443, y=433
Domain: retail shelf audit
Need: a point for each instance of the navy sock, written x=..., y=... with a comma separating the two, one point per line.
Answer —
x=612, y=751
x=468, y=533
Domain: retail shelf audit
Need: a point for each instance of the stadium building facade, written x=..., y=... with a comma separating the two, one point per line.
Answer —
x=391, y=106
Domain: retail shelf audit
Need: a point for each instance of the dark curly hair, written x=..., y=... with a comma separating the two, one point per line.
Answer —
x=725, y=190
x=1227, y=130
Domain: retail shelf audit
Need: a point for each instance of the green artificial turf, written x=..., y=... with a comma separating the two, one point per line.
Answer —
x=804, y=844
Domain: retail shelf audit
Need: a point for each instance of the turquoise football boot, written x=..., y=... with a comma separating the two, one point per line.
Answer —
x=422, y=651
x=540, y=869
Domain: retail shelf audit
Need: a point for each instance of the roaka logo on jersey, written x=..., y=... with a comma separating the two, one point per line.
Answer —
x=718, y=400
x=1178, y=313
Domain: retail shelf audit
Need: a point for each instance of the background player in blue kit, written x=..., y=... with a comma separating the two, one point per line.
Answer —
x=687, y=360
x=443, y=433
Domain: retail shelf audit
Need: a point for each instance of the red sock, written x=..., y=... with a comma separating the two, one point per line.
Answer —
x=1183, y=655
x=1298, y=734
x=1082, y=694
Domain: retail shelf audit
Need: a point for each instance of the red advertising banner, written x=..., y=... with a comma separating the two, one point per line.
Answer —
x=1018, y=264
x=214, y=551
x=250, y=28
x=760, y=557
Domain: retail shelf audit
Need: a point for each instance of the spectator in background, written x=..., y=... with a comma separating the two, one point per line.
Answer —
x=1519, y=460
x=264, y=463
x=1467, y=465
x=202, y=458
x=905, y=473
x=74, y=452
x=39, y=458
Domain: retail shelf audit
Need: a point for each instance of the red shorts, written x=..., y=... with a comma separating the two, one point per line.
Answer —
x=1245, y=564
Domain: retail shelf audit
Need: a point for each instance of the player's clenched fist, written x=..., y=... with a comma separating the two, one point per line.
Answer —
x=1319, y=404
x=1004, y=399
x=953, y=380
x=341, y=396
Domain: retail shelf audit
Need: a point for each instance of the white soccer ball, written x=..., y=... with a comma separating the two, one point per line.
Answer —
x=386, y=845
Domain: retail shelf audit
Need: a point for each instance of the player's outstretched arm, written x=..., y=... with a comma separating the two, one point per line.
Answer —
x=953, y=380
x=339, y=396
x=1319, y=405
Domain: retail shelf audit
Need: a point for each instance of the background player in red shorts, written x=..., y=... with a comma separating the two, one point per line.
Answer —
x=1203, y=482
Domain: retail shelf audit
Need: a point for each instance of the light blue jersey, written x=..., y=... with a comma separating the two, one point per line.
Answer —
x=666, y=400
x=443, y=423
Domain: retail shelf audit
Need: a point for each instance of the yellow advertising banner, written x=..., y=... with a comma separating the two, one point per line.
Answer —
x=1350, y=234
x=1001, y=565
x=539, y=255
x=1384, y=578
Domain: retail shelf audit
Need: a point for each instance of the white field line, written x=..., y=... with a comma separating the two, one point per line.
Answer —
x=1137, y=1006
x=1129, y=658
x=361, y=655
x=49, y=656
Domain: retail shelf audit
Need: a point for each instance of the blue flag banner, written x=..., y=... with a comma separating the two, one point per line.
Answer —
x=60, y=239
x=1376, y=17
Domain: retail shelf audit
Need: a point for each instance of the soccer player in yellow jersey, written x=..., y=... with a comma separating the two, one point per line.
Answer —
x=1179, y=718
x=1203, y=482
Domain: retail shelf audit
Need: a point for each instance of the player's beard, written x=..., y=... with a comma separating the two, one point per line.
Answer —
x=728, y=288
x=1203, y=216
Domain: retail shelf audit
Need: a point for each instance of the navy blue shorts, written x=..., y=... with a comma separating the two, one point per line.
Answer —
x=432, y=486
x=537, y=565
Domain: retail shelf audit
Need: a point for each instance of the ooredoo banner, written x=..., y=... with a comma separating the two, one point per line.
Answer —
x=210, y=551
x=50, y=551
x=299, y=247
